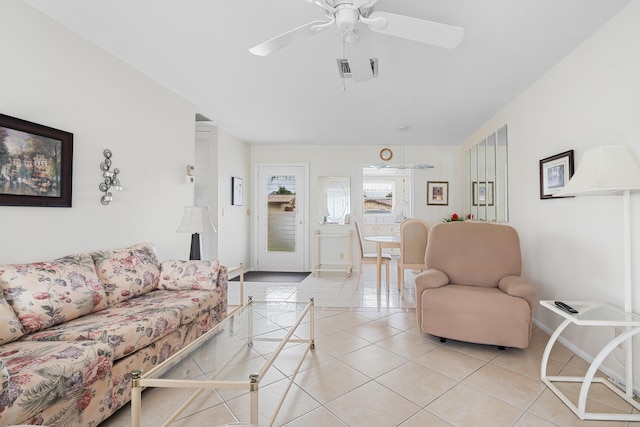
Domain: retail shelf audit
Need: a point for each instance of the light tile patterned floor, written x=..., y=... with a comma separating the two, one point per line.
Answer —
x=372, y=367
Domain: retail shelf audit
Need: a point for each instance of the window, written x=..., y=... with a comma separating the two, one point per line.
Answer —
x=378, y=196
x=386, y=194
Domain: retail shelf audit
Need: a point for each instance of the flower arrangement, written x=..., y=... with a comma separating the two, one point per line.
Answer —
x=452, y=218
x=455, y=217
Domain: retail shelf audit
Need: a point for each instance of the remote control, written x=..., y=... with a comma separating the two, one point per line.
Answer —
x=566, y=307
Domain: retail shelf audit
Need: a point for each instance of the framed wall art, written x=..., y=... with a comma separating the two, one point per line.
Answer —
x=236, y=191
x=555, y=172
x=482, y=193
x=438, y=193
x=35, y=164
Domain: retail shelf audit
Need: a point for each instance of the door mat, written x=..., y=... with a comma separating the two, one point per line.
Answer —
x=273, y=276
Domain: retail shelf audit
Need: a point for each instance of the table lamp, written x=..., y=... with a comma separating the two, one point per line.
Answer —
x=196, y=220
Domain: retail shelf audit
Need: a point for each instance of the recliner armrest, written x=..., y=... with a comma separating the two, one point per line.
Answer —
x=518, y=287
x=432, y=278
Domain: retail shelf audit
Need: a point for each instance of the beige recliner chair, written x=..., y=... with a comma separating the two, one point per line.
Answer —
x=472, y=290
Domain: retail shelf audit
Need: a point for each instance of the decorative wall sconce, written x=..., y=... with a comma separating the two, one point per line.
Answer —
x=110, y=179
x=190, y=177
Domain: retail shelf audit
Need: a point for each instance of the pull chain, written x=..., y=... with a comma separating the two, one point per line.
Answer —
x=344, y=55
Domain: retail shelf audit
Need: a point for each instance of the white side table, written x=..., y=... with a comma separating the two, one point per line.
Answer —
x=592, y=313
x=317, y=264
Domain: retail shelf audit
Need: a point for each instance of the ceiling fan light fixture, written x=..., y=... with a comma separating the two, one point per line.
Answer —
x=351, y=37
x=346, y=18
x=402, y=129
x=420, y=166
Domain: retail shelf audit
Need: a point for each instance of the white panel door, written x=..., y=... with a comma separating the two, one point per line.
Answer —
x=282, y=224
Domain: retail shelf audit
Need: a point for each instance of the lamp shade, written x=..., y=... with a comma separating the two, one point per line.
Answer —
x=196, y=219
x=604, y=170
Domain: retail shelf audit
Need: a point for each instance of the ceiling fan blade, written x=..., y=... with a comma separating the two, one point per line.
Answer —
x=357, y=4
x=323, y=4
x=284, y=40
x=420, y=30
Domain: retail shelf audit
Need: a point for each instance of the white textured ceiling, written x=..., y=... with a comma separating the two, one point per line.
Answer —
x=199, y=49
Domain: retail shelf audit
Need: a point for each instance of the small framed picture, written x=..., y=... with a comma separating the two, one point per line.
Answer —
x=236, y=191
x=438, y=193
x=482, y=193
x=555, y=172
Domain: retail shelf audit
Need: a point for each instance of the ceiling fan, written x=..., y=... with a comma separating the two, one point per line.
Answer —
x=346, y=14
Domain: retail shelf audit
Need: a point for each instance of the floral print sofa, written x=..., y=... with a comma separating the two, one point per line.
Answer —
x=72, y=330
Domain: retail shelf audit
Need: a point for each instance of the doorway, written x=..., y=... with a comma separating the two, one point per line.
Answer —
x=282, y=222
x=387, y=201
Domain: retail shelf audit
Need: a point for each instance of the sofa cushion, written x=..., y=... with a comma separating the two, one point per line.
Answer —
x=127, y=272
x=190, y=304
x=146, y=359
x=44, y=294
x=43, y=374
x=11, y=327
x=194, y=274
x=127, y=327
x=86, y=407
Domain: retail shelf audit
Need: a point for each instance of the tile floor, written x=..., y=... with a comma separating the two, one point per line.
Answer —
x=372, y=367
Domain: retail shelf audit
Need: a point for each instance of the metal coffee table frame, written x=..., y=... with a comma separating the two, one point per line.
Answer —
x=154, y=378
x=593, y=313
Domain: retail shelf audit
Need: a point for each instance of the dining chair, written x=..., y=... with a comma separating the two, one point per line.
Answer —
x=370, y=258
x=413, y=245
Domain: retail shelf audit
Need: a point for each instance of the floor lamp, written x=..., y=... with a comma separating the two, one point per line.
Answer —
x=196, y=220
x=611, y=169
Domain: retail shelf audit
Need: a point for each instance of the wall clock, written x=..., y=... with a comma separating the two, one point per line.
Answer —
x=386, y=154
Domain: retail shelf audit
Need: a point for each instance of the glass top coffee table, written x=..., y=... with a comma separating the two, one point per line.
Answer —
x=218, y=359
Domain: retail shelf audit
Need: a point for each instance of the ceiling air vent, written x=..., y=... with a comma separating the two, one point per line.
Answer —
x=345, y=70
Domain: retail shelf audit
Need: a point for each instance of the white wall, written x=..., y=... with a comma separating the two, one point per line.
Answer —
x=348, y=160
x=206, y=185
x=219, y=157
x=234, y=222
x=52, y=77
x=573, y=247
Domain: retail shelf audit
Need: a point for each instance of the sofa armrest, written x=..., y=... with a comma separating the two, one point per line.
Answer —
x=223, y=278
x=516, y=286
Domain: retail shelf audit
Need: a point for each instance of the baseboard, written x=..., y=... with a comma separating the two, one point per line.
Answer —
x=235, y=274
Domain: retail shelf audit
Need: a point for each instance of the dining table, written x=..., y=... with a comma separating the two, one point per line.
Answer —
x=382, y=242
